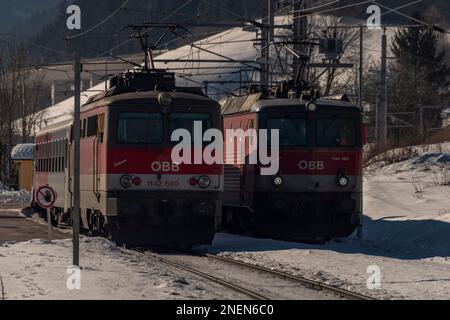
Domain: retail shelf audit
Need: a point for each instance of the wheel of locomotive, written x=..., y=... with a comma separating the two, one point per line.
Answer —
x=245, y=223
x=228, y=220
x=98, y=225
x=64, y=218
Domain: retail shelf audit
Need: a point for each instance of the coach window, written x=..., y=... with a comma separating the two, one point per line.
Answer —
x=44, y=157
x=38, y=158
x=58, y=156
x=49, y=157
x=66, y=152
x=55, y=156
x=52, y=156
x=61, y=156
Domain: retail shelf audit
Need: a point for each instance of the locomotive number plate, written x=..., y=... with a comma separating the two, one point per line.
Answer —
x=163, y=184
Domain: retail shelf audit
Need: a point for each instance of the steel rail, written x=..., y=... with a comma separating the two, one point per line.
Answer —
x=225, y=283
x=311, y=283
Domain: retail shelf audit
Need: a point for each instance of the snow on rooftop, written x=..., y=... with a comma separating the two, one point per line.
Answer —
x=23, y=152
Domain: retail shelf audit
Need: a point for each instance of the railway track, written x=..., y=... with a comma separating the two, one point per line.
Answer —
x=254, y=293
x=228, y=284
x=307, y=282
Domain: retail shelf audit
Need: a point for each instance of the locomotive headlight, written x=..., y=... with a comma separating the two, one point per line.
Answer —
x=204, y=182
x=126, y=181
x=165, y=99
x=278, y=181
x=343, y=181
x=137, y=181
x=311, y=107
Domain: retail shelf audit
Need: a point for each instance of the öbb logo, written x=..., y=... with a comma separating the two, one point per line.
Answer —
x=165, y=166
x=311, y=165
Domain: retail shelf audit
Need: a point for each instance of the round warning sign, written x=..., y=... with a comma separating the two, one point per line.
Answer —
x=46, y=197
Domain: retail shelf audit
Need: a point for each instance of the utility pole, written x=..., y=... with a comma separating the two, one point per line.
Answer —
x=267, y=37
x=383, y=93
x=76, y=163
x=361, y=69
x=271, y=6
x=300, y=29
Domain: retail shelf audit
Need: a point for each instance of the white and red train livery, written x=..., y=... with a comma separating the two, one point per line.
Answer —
x=317, y=192
x=130, y=188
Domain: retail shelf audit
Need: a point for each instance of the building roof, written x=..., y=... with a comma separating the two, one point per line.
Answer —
x=23, y=152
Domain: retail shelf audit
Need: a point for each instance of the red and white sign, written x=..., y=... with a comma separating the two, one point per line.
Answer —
x=46, y=197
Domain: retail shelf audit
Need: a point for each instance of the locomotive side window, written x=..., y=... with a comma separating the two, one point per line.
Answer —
x=336, y=132
x=83, y=128
x=186, y=121
x=140, y=128
x=292, y=131
x=92, y=126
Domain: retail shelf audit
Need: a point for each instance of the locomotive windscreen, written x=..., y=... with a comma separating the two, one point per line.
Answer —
x=140, y=128
x=320, y=130
x=186, y=121
x=336, y=132
x=292, y=131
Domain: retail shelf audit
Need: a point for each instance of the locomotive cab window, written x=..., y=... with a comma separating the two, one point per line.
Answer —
x=292, y=131
x=140, y=128
x=336, y=132
x=186, y=121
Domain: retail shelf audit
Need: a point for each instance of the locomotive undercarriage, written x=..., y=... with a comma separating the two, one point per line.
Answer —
x=304, y=217
x=165, y=219
x=156, y=219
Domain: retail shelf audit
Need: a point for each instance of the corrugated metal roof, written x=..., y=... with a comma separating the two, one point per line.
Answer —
x=240, y=104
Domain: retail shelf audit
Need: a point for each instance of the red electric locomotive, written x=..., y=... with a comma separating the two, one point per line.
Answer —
x=316, y=194
x=130, y=187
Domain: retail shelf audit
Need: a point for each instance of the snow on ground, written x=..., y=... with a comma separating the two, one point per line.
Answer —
x=13, y=197
x=407, y=235
x=37, y=270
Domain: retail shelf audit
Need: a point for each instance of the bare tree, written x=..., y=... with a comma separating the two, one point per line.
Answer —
x=19, y=96
x=333, y=80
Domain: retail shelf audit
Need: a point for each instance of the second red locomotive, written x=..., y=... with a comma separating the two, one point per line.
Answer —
x=316, y=194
